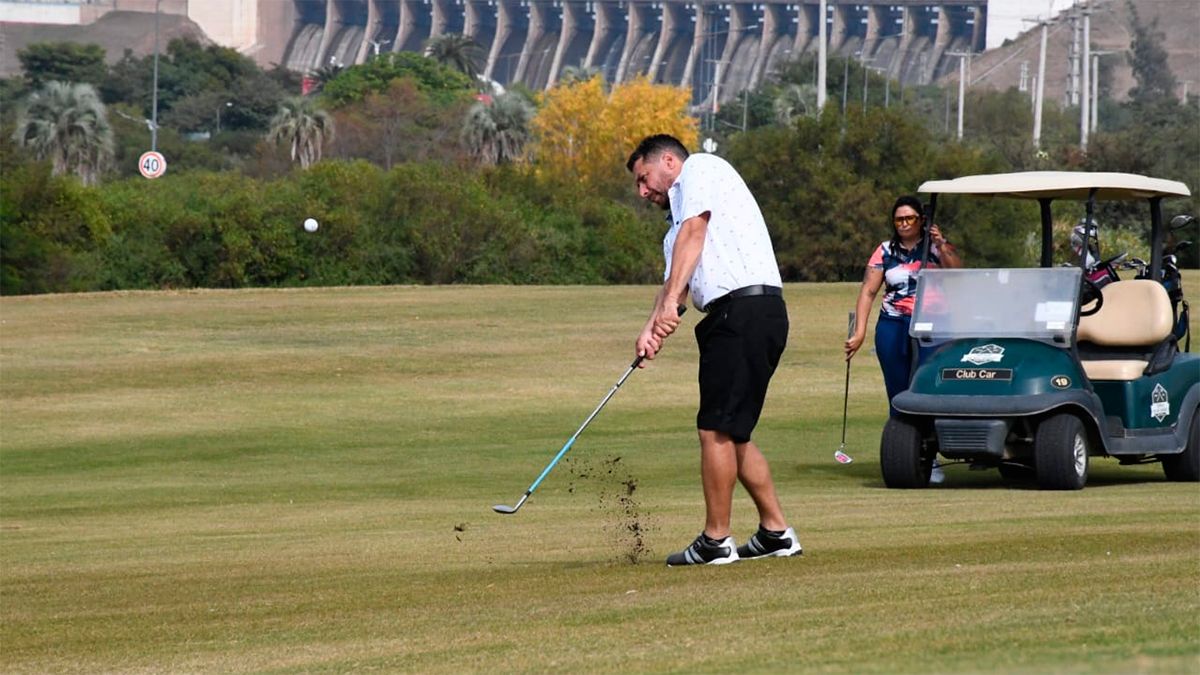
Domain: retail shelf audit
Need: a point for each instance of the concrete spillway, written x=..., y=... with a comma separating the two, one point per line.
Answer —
x=716, y=49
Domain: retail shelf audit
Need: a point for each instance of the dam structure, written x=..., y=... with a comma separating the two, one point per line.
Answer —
x=718, y=49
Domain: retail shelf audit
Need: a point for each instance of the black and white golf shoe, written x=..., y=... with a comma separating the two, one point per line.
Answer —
x=765, y=544
x=705, y=551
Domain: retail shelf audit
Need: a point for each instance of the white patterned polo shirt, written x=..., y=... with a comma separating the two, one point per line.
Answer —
x=737, y=248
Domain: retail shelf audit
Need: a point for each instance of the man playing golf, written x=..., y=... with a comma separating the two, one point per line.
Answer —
x=718, y=248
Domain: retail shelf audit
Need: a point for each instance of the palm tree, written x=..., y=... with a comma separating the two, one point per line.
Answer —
x=304, y=126
x=67, y=124
x=795, y=100
x=572, y=74
x=496, y=132
x=456, y=51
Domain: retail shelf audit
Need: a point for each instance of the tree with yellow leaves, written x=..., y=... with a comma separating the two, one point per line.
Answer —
x=585, y=134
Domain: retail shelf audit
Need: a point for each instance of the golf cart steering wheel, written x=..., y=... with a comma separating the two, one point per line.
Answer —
x=1088, y=294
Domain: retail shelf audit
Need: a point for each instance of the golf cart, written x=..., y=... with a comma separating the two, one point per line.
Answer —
x=1033, y=371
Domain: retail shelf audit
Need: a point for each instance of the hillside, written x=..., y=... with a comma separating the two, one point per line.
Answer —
x=1178, y=21
x=115, y=32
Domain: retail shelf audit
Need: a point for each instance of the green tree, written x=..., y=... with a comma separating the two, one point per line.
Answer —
x=1148, y=59
x=497, y=131
x=304, y=127
x=48, y=226
x=62, y=62
x=572, y=74
x=67, y=125
x=400, y=124
x=444, y=86
x=459, y=52
x=194, y=81
x=1002, y=121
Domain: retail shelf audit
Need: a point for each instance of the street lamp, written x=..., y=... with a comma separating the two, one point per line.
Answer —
x=228, y=104
x=822, y=55
x=715, y=90
x=376, y=45
x=887, y=84
x=154, y=103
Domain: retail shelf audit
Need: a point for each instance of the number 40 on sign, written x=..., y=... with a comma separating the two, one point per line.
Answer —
x=152, y=164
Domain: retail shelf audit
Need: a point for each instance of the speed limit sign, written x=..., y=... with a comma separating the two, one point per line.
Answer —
x=152, y=164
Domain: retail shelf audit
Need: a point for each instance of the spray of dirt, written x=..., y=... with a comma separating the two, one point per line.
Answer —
x=624, y=520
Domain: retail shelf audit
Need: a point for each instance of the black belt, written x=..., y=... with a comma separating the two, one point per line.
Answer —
x=743, y=292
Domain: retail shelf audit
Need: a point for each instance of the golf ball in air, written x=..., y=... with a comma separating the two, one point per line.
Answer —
x=310, y=224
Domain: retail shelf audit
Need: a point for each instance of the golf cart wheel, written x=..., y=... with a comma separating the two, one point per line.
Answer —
x=900, y=456
x=1060, y=451
x=1185, y=467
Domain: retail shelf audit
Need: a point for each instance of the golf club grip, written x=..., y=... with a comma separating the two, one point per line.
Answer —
x=638, y=360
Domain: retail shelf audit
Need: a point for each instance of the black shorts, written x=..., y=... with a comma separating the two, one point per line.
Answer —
x=740, y=345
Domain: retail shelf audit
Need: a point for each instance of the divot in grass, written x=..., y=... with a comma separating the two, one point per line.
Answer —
x=624, y=519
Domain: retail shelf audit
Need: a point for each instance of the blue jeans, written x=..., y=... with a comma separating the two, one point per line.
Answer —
x=894, y=350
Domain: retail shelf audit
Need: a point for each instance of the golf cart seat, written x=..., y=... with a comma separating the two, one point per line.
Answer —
x=1131, y=334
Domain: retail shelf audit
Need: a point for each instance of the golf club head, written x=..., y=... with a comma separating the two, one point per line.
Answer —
x=508, y=510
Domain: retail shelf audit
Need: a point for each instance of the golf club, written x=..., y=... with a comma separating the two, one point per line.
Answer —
x=841, y=455
x=501, y=508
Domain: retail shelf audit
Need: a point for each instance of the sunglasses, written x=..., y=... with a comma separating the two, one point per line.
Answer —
x=905, y=220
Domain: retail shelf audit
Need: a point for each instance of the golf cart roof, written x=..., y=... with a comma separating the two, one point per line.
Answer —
x=1059, y=185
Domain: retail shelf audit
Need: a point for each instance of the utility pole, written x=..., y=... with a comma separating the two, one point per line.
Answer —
x=845, y=87
x=745, y=106
x=1073, y=52
x=1096, y=88
x=154, y=96
x=1085, y=81
x=716, y=93
x=821, y=57
x=1040, y=88
x=946, y=119
x=863, y=63
x=963, y=61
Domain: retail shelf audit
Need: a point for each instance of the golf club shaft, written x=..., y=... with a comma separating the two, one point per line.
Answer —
x=845, y=404
x=850, y=326
x=571, y=441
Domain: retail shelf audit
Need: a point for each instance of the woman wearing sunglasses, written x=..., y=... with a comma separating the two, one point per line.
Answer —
x=895, y=263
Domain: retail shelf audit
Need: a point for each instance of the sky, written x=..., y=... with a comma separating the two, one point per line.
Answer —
x=1005, y=17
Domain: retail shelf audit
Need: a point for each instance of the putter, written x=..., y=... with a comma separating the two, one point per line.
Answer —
x=502, y=508
x=841, y=455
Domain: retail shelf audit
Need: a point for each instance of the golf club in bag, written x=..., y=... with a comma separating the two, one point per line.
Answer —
x=841, y=455
x=501, y=508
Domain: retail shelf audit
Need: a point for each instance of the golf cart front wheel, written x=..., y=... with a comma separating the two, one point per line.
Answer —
x=900, y=456
x=1185, y=467
x=1061, y=453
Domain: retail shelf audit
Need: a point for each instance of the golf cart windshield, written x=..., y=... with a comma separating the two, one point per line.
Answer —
x=1039, y=303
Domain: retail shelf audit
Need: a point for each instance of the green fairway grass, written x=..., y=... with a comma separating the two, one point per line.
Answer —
x=302, y=480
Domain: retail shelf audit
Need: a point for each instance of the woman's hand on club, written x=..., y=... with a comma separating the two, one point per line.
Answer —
x=852, y=346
